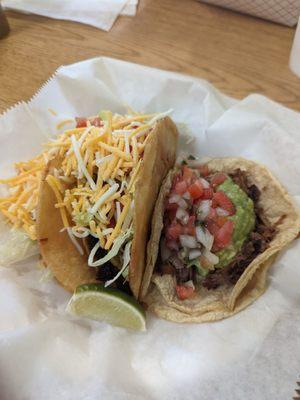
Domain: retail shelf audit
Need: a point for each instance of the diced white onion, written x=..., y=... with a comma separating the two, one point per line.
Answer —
x=221, y=212
x=182, y=215
x=186, y=196
x=204, y=237
x=182, y=204
x=204, y=182
x=190, y=283
x=175, y=198
x=188, y=241
x=203, y=210
x=211, y=258
x=194, y=254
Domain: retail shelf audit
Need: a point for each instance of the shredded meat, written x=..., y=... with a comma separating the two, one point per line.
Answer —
x=257, y=243
x=182, y=273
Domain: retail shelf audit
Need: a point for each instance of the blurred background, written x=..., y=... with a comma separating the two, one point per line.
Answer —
x=238, y=45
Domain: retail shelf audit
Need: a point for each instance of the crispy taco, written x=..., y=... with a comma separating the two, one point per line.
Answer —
x=216, y=230
x=89, y=197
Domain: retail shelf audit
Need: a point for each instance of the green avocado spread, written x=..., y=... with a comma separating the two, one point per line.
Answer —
x=244, y=221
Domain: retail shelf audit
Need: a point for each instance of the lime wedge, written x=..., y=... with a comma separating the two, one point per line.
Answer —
x=96, y=302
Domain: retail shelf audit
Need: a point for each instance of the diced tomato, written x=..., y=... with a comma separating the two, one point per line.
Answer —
x=212, y=214
x=80, y=122
x=184, y=291
x=224, y=234
x=204, y=171
x=212, y=226
x=214, y=203
x=217, y=179
x=224, y=202
x=187, y=174
x=181, y=187
x=190, y=228
x=208, y=194
x=220, y=221
x=196, y=189
x=97, y=121
x=174, y=231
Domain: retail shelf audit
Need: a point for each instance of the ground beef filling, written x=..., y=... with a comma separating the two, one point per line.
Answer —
x=257, y=243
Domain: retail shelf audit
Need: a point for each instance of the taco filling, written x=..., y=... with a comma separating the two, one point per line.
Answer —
x=216, y=230
x=212, y=229
x=89, y=196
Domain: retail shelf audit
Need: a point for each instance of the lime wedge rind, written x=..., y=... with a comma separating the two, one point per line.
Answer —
x=96, y=302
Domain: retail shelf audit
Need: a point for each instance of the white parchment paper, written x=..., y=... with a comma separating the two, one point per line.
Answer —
x=99, y=13
x=46, y=354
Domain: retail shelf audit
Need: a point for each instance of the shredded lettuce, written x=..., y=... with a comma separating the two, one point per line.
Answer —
x=125, y=273
x=126, y=260
x=119, y=241
x=104, y=115
x=16, y=246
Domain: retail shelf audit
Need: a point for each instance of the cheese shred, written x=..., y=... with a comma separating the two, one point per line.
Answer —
x=95, y=182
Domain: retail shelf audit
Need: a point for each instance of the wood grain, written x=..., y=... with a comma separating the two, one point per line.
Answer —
x=237, y=53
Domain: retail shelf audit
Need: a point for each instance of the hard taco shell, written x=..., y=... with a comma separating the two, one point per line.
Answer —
x=57, y=250
x=277, y=209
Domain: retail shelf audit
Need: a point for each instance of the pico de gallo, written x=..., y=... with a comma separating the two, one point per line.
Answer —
x=208, y=219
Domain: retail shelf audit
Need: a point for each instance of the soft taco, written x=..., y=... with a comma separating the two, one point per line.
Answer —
x=88, y=199
x=217, y=228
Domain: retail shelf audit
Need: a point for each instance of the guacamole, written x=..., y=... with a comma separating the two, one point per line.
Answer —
x=244, y=221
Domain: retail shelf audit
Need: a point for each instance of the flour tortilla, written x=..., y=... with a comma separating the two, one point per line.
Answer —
x=58, y=252
x=277, y=209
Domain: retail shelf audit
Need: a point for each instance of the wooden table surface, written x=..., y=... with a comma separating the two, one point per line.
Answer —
x=237, y=53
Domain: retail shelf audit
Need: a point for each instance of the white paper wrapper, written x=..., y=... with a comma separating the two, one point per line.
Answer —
x=99, y=13
x=46, y=354
x=295, y=52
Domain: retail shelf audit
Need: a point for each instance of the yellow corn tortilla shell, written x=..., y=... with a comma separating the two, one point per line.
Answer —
x=57, y=250
x=211, y=305
x=159, y=157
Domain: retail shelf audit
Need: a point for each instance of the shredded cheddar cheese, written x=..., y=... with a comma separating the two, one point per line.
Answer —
x=95, y=183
